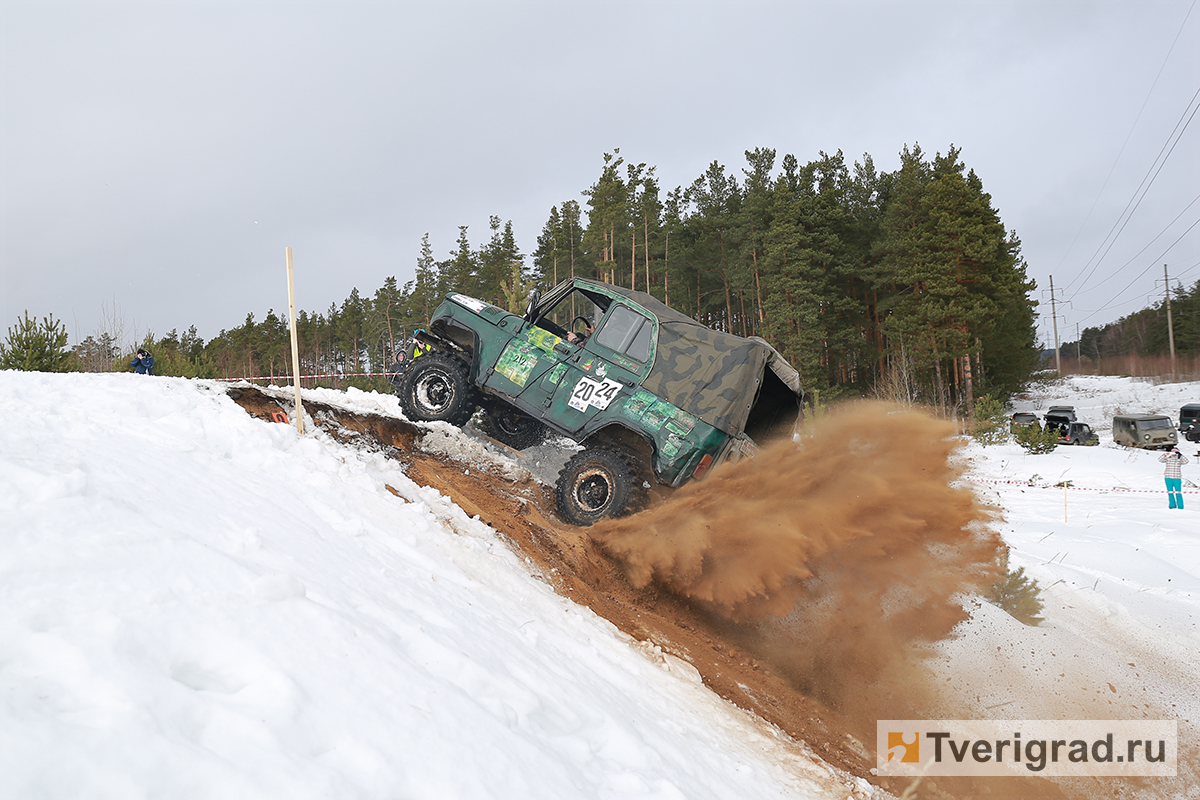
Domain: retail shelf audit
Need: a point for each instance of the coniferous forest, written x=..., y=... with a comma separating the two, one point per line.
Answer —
x=903, y=284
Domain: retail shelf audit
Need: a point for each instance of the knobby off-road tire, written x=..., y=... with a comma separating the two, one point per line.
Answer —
x=594, y=484
x=435, y=388
x=506, y=424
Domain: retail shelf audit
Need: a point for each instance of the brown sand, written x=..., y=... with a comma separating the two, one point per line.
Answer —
x=846, y=551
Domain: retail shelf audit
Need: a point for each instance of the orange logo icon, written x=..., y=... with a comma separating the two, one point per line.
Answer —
x=904, y=747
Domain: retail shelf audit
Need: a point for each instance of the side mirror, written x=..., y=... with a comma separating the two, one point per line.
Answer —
x=531, y=307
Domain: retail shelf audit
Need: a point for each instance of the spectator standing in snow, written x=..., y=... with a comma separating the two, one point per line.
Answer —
x=1174, y=460
x=143, y=363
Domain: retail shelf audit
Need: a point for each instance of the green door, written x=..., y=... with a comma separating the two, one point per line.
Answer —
x=605, y=370
x=525, y=362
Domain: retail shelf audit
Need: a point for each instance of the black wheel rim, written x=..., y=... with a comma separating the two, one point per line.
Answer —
x=593, y=490
x=433, y=392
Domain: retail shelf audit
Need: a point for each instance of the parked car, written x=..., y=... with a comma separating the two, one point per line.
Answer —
x=651, y=393
x=1189, y=422
x=1023, y=419
x=1059, y=423
x=1079, y=433
x=1147, y=431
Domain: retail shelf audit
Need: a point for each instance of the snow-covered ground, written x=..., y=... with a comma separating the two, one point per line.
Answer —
x=1119, y=569
x=195, y=604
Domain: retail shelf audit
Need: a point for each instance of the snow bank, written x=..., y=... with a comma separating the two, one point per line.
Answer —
x=199, y=604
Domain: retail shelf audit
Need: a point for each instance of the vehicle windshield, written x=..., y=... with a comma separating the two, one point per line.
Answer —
x=1153, y=424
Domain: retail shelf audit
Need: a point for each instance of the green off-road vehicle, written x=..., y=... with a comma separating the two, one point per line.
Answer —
x=651, y=393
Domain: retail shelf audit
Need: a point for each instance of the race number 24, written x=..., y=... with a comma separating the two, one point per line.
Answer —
x=595, y=393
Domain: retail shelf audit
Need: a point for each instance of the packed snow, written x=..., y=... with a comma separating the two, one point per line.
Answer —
x=198, y=604
x=1119, y=571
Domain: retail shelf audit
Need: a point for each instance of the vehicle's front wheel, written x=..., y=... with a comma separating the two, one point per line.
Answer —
x=435, y=388
x=595, y=483
x=506, y=424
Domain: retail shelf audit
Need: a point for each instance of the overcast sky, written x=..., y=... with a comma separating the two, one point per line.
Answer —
x=156, y=158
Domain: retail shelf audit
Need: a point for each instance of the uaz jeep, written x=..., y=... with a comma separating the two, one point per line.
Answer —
x=649, y=392
x=1147, y=431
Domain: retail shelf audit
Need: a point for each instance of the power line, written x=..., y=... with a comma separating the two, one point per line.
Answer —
x=1140, y=193
x=1136, y=255
x=1123, y=144
x=1140, y=274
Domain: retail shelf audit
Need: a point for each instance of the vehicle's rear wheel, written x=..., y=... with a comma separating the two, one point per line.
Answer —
x=594, y=484
x=435, y=388
x=506, y=424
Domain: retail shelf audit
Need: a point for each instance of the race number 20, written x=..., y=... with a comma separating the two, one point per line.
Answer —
x=590, y=392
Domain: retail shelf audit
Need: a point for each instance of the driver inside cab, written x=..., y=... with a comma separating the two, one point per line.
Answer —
x=580, y=338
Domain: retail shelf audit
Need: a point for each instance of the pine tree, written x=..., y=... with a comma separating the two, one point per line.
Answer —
x=607, y=219
x=646, y=210
x=35, y=346
x=385, y=322
x=673, y=267
x=516, y=289
x=495, y=261
x=794, y=287
x=1017, y=594
x=180, y=356
x=549, y=249
x=716, y=200
x=1008, y=352
x=95, y=355
x=351, y=331
x=754, y=222
x=424, y=296
x=950, y=277
x=461, y=272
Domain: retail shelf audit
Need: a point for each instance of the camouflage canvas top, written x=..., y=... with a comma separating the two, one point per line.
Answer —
x=707, y=373
x=712, y=375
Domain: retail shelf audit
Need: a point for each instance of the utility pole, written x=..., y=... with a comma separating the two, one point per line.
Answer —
x=1170, y=324
x=1054, y=319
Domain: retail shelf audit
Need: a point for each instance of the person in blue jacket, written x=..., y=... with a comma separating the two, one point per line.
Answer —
x=143, y=362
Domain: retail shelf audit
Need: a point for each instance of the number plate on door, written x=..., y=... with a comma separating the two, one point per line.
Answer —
x=590, y=392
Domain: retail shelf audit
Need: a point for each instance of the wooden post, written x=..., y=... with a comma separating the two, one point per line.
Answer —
x=295, y=344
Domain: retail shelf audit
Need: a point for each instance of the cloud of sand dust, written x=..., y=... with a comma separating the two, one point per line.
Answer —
x=833, y=556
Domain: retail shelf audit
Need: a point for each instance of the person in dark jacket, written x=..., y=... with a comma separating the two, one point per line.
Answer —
x=1174, y=460
x=143, y=362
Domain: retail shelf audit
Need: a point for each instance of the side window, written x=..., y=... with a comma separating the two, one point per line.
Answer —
x=628, y=332
x=640, y=349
